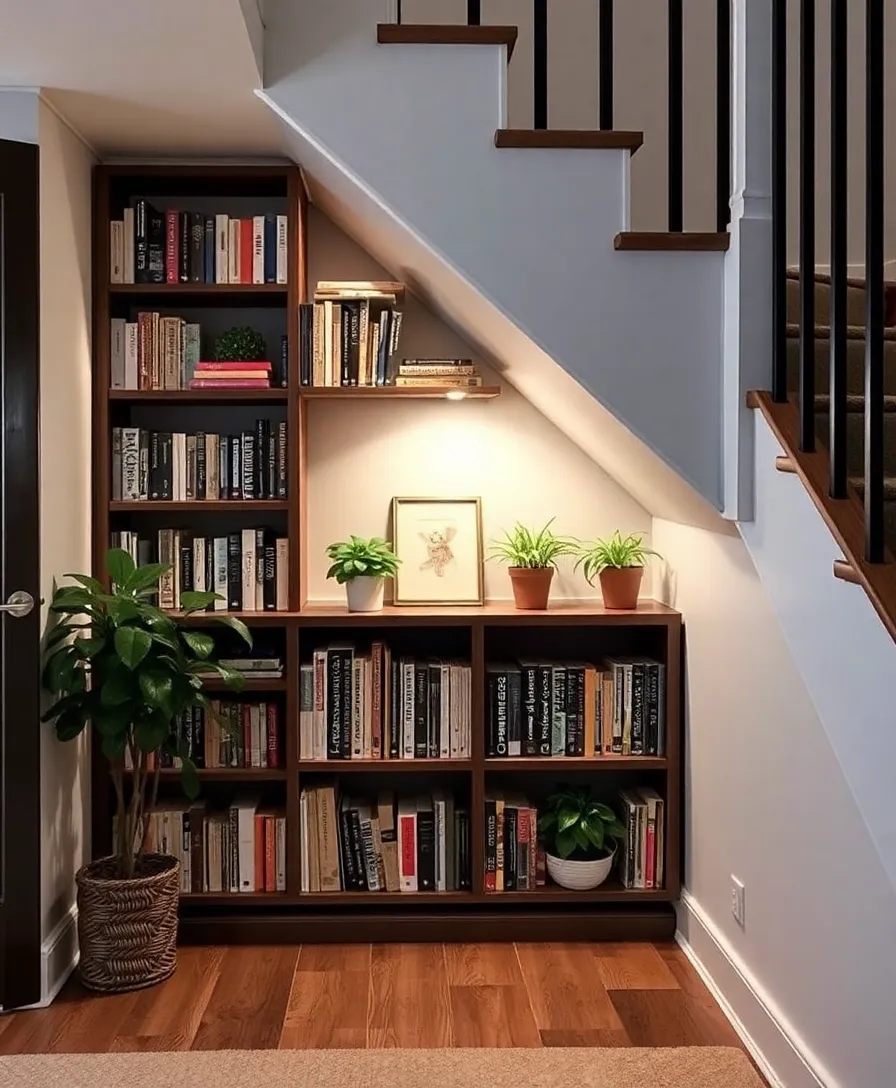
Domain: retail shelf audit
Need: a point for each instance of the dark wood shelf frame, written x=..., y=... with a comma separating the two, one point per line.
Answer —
x=610, y=911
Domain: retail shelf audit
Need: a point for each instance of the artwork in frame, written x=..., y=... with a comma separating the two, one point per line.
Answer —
x=439, y=542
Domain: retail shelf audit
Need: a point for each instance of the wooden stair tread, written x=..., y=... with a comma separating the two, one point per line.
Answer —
x=673, y=241
x=825, y=277
x=583, y=139
x=853, y=332
x=427, y=34
x=855, y=402
x=858, y=483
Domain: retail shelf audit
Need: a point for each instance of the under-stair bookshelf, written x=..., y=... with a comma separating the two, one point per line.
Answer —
x=570, y=631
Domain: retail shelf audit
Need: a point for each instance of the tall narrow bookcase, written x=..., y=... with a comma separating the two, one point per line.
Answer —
x=574, y=631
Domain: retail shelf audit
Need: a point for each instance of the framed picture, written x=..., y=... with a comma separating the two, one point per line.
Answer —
x=439, y=543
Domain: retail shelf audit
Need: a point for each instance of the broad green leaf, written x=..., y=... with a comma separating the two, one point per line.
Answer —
x=145, y=577
x=114, y=745
x=237, y=625
x=202, y=645
x=566, y=818
x=87, y=582
x=122, y=610
x=594, y=829
x=582, y=840
x=67, y=702
x=88, y=648
x=157, y=688
x=113, y=721
x=69, y=725
x=63, y=630
x=604, y=811
x=565, y=843
x=194, y=601
x=150, y=735
x=132, y=645
x=117, y=688
x=120, y=566
x=59, y=670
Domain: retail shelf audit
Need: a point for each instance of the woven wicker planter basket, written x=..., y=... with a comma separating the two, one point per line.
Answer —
x=127, y=929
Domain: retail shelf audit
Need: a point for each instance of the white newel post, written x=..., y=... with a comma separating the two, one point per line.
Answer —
x=747, y=359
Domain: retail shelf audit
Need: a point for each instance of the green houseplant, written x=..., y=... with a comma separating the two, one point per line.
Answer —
x=114, y=661
x=618, y=562
x=580, y=835
x=362, y=566
x=531, y=556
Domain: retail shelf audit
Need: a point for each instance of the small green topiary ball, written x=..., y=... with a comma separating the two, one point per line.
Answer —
x=240, y=345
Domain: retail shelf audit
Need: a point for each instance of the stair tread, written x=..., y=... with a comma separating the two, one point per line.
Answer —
x=825, y=277
x=858, y=482
x=855, y=402
x=853, y=332
x=673, y=241
x=583, y=139
x=431, y=34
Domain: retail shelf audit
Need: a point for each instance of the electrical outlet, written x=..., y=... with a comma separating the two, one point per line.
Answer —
x=737, y=901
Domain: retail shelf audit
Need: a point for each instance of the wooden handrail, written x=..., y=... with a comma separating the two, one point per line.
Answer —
x=846, y=572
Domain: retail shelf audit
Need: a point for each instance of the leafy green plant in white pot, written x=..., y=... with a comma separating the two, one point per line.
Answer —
x=580, y=835
x=363, y=566
x=619, y=563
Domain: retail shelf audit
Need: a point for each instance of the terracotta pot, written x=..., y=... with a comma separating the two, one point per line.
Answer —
x=620, y=585
x=531, y=586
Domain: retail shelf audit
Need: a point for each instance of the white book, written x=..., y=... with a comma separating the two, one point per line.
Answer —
x=127, y=271
x=466, y=713
x=246, y=810
x=445, y=711
x=220, y=573
x=407, y=710
x=303, y=831
x=233, y=251
x=259, y=569
x=258, y=249
x=282, y=574
x=130, y=464
x=131, y=380
x=116, y=254
x=280, y=855
x=255, y=735
x=407, y=844
x=282, y=240
x=357, y=751
x=329, y=364
x=454, y=702
x=199, y=576
x=306, y=712
x=438, y=804
x=222, y=249
x=179, y=466
x=247, y=566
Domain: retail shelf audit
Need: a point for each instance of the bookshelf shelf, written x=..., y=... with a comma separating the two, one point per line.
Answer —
x=229, y=774
x=199, y=396
x=206, y=291
x=384, y=766
x=557, y=765
x=200, y=506
x=249, y=685
x=438, y=392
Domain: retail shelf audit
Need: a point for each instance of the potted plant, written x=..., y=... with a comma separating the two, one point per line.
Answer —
x=531, y=556
x=363, y=566
x=619, y=563
x=240, y=344
x=118, y=663
x=580, y=835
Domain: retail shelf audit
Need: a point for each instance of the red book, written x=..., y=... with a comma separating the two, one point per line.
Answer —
x=246, y=251
x=270, y=840
x=259, y=851
x=235, y=383
x=233, y=366
x=273, y=736
x=172, y=246
x=408, y=847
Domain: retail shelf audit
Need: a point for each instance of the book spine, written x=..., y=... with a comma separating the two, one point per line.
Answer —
x=234, y=573
x=345, y=736
x=434, y=720
x=345, y=850
x=183, y=248
x=222, y=249
x=408, y=707
x=127, y=270
x=281, y=549
x=259, y=569
x=259, y=482
x=376, y=710
x=282, y=243
x=529, y=699
x=246, y=243
x=116, y=251
x=247, y=465
x=334, y=693
x=172, y=230
x=395, y=706
x=545, y=704
x=637, y=709
x=421, y=712
x=514, y=713
x=258, y=249
x=558, y=712
x=208, y=250
x=511, y=817
x=491, y=845
x=282, y=461
x=269, y=592
x=501, y=714
x=270, y=249
x=426, y=851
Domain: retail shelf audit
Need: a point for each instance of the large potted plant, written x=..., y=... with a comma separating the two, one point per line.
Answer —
x=580, y=835
x=619, y=563
x=363, y=566
x=115, y=662
x=531, y=556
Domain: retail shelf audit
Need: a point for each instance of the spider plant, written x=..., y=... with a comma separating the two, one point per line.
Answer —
x=616, y=552
x=531, y=549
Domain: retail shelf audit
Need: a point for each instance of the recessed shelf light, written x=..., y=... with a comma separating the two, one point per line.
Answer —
x=455, y=394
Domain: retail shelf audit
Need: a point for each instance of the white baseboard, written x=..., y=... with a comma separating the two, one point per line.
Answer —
x=782, y=1055
x=58, y=957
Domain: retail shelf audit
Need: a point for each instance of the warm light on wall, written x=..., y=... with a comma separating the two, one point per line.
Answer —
x=455, y=394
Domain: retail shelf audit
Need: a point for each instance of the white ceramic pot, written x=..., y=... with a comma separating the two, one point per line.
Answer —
x=365, y=594
x=579, y=876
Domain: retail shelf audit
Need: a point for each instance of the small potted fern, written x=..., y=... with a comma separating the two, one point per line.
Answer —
x=362, y=566
x=580, y=835
x=619, y=564
x=531, y=556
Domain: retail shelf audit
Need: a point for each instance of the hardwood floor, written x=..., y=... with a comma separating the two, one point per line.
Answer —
x=317, y=996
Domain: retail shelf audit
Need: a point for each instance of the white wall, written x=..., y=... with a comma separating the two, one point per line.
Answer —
x=503, y=450
x=65, y=498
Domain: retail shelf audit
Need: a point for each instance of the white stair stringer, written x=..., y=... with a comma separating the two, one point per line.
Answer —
x=401, y=138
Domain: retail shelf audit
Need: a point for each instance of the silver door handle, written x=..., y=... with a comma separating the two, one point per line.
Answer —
x=19, y=604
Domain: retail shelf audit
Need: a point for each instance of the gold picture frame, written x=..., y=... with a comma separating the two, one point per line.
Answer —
x=439, y=543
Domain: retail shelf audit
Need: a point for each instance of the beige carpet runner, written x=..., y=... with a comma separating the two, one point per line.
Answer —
x=688, y=1067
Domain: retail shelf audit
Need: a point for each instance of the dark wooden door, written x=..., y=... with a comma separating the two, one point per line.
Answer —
x=20, y=847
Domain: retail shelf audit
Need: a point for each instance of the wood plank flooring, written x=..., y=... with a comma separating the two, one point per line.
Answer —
x=414, y=995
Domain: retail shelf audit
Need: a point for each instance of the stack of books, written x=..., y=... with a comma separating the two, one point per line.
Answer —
x=372, y=705
x=171, y=246
x=437, y=373
x=513, y=857
x=353, y=844
x=643, y=848
x=255, y=668
x=349, y=336
x=254, y=375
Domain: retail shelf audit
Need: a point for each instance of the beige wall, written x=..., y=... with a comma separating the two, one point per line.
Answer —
x=503, y=450
x=65, y=465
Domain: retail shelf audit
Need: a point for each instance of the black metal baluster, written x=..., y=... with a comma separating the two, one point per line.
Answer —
x=541, y=64
x=398, y=12
x=676, y=116
x=606, y=64
x=807, y=225
x=723, y=115
x=474, y=15
x=874, y=282
x=779, y=200
x=839, y=161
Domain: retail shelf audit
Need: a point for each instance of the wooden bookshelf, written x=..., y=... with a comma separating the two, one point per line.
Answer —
x=495, y=631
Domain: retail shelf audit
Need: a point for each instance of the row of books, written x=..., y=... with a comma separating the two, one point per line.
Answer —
x=175, y=466
x=377, y=706
x=419, y=844
x=148, y=245
x=642, y=850
x=162, y=352
x=350, y=333
x=235, y=733
x=513, y=855
x=543, y=708
x=249, y=569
